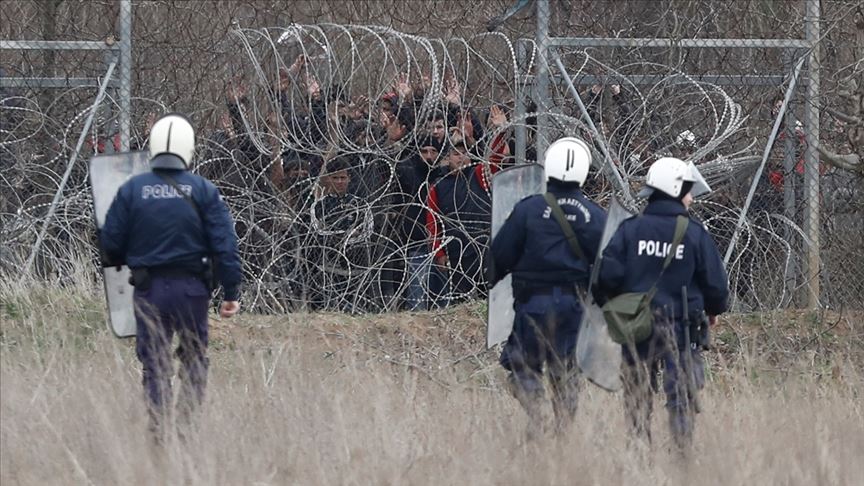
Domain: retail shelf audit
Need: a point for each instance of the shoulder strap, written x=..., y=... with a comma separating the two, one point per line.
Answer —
x=558, y=213
x=681, y=224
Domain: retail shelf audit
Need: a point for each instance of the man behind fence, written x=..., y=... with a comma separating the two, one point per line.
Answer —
x=168, y=225
x=684, y=286
x=548, y=243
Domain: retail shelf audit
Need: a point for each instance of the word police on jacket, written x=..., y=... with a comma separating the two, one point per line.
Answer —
x=659, y=249
x=163, y=191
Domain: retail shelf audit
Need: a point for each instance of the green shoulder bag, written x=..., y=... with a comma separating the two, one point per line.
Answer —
x=629, y=315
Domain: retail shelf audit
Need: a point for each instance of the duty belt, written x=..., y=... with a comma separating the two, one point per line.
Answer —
x=172, y=272
x=522, y=294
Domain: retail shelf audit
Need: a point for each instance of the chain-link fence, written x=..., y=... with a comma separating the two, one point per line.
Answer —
x=356, y=159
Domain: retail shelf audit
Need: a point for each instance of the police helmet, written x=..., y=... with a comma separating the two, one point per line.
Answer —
x=172, y=142
x=568, y=160
x=668, y=176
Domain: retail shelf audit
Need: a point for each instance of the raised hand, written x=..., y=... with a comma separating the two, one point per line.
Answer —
x=453, y=91
x=313, y=88
x=226, y=125
x=385, y=119
x=497, y=117
x=297, y=65
x=402, y=87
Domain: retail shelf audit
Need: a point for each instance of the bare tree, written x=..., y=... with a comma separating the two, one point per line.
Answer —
x=851, y=113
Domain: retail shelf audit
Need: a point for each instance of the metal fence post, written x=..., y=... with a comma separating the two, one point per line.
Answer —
x=125, y=73
x=765, y=154
x=812, y=221
x=541, y=81
x=519, y=107
x=790, y=158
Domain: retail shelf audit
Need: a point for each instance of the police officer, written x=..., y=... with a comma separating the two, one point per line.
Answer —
x=633, y=262
x=547, y=274
x=169, y=225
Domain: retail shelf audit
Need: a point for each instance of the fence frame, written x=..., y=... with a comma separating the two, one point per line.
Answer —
x=116, y=52
x=548, y=49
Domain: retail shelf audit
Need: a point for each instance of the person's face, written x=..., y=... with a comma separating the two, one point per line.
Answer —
x=296, y=173
x=777, y=105
x=429, y=154
x=386, y=107
x=687, y=200
x=337, y=182
x=457, y=159
x=436, y=129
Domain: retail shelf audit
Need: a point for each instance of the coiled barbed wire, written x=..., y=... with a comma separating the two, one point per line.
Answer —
x=312, y=94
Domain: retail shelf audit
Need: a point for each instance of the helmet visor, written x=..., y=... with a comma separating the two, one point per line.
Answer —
x=700, y=185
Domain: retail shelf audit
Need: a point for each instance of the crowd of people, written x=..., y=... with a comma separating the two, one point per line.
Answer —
x=373, y=205
x=390, y=197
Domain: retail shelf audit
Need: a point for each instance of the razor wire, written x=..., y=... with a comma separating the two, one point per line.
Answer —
x=305, y=98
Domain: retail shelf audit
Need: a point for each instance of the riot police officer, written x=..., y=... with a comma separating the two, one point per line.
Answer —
x=693, y=283
x=547, y=273
x=170, y=226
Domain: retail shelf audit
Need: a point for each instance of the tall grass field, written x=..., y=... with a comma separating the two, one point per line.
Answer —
x=409, y=398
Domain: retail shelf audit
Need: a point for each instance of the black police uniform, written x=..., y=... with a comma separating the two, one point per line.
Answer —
x=162, y=238
x=632, y=262
x=546, y=273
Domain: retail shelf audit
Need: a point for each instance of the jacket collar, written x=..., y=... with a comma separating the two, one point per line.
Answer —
x=666, y=207
x=562, y=189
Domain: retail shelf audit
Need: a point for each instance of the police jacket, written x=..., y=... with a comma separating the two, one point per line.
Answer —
x=531, y=244
x=634, y=258
x=150, y=225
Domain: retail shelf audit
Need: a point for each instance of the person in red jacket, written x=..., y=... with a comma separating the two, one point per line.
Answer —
x=459, y=218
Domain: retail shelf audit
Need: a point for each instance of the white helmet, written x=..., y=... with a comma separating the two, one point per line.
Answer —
x=568, y=160
x=669, y=174
x=172, y=142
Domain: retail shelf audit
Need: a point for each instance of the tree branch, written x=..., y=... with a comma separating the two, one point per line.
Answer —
x=844, y=116
x=850, y=162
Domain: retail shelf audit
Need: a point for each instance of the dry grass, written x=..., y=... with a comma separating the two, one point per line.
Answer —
x=403, y=399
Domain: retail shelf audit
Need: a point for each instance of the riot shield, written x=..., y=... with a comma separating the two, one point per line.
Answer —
x=107, y=174
x=509, y=187
x=597, y=356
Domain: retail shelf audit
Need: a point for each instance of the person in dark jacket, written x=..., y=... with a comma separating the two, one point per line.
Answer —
x=415, y=175
x=459, y=218
x=547, y=273
x=166, y=225
x=343, y=226
x=632, y=262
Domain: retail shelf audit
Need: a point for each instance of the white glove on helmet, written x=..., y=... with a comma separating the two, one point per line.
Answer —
x=568, y=160
x=172, y=135
x=668, y=175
